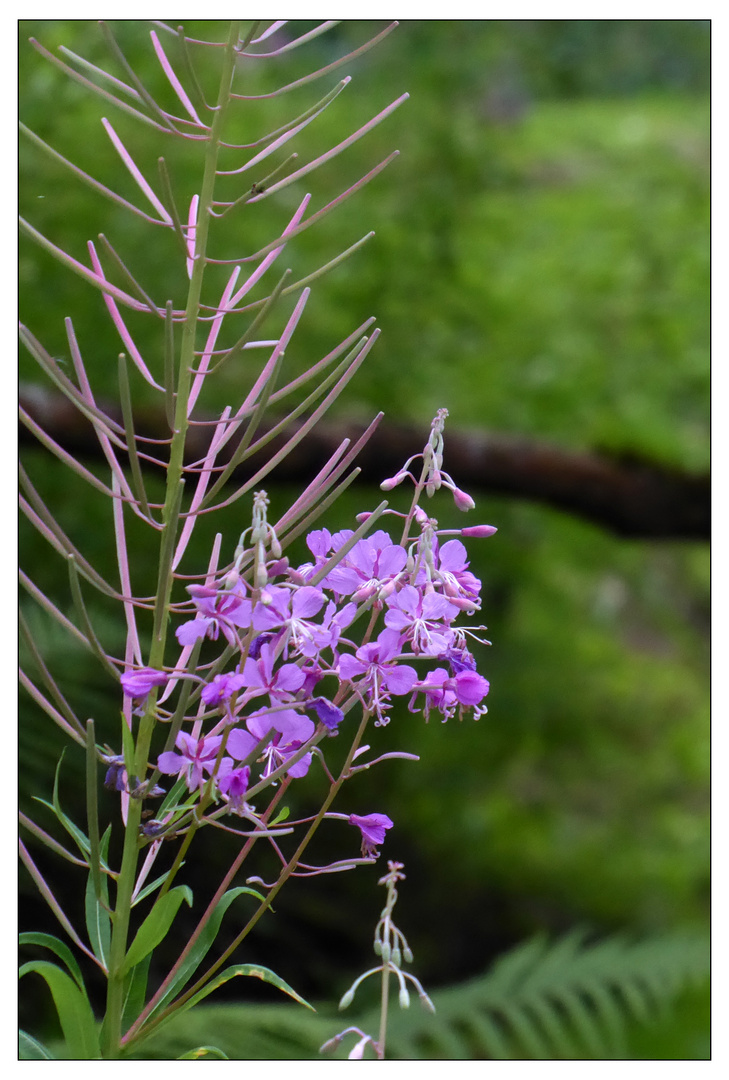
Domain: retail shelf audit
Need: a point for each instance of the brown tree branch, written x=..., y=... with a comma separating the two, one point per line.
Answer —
x=629, y=496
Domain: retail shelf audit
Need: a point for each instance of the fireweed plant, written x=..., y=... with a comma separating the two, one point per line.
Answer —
x=236, y=675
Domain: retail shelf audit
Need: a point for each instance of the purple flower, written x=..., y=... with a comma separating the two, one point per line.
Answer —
x=457, y=582
x=221, y=689
x=460, y=660
x=260, y=678
x=290, y=731
x=116, y=776
x=216, y=610
x=291, y=611
x=419, y=619
x=438, y=694
x=196, y=755
x=137, y=684
x=470, y=688
x=382, y=676
x=445, y=692
x=330, y=715
x=233, y=783
x=373, y=563
x=373, y=828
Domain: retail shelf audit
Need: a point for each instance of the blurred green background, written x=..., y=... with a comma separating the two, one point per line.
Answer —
x=540, y=267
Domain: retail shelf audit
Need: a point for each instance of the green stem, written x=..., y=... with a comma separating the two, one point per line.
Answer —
x=144, y=1031
x=384, y=999
x=120, y=928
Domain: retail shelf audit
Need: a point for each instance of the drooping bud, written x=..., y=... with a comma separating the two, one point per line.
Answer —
x=462, y=499
x=404, y=998
x=393, y=481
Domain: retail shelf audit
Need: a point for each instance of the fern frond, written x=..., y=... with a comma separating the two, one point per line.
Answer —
x=544, y=1001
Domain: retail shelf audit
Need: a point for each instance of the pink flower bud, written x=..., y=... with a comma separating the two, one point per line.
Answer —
x=479, y=530
x=462, y=500
x=393, y=481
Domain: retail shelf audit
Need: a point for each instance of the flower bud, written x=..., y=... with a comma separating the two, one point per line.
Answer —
x=393, y=481
x=407, y=953
x=404, y=998
x=347, y=999
x=479, y=530
x=462, y=500
x=397, y=956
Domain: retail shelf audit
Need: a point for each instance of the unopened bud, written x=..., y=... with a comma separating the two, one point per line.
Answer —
x=347, y=999
x=385, y=951
x=408, y=954
x=426, y=1002
x=363, y=516
x=462, y=500
x=393, y=481
x=377, y=947
x=479, y=530
x=404, y=998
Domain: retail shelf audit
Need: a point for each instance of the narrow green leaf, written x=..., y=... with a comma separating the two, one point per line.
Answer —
x=74, y=1012
x=135, y=992
x=92, y=808
x=204, y=943
x=30, y=1049
x=155, y=926
x=48, y=941
x=152, y=887
x=98, y=920
x=203, y=1052
x=172, y=796
x=252, y=970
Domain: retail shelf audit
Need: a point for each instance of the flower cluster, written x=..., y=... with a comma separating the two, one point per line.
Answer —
x=296, y=666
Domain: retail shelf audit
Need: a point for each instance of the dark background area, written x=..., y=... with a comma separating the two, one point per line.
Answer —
x=540, y=268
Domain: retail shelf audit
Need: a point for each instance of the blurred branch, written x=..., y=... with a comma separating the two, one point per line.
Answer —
x=631, y=497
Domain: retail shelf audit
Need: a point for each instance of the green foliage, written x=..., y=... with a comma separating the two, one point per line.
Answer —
x=544, y=273
x=203, y=944
x=155, y=926
x=568, y=999
x=72, y=1005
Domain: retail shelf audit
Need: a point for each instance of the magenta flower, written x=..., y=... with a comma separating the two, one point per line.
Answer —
x=457, y=582
x=381, y=675
x=216, y=610
x=290, y=611
x=260, y=678
x=373, y=563
x=444, y=692
x=329, y=714
x=438, y=694
x=221, y=689
x=233, y=783
x=372, y=828
x=137, y=684
x=419, y=619
x=290, y=731
x=469, y=687
x=196, y=756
